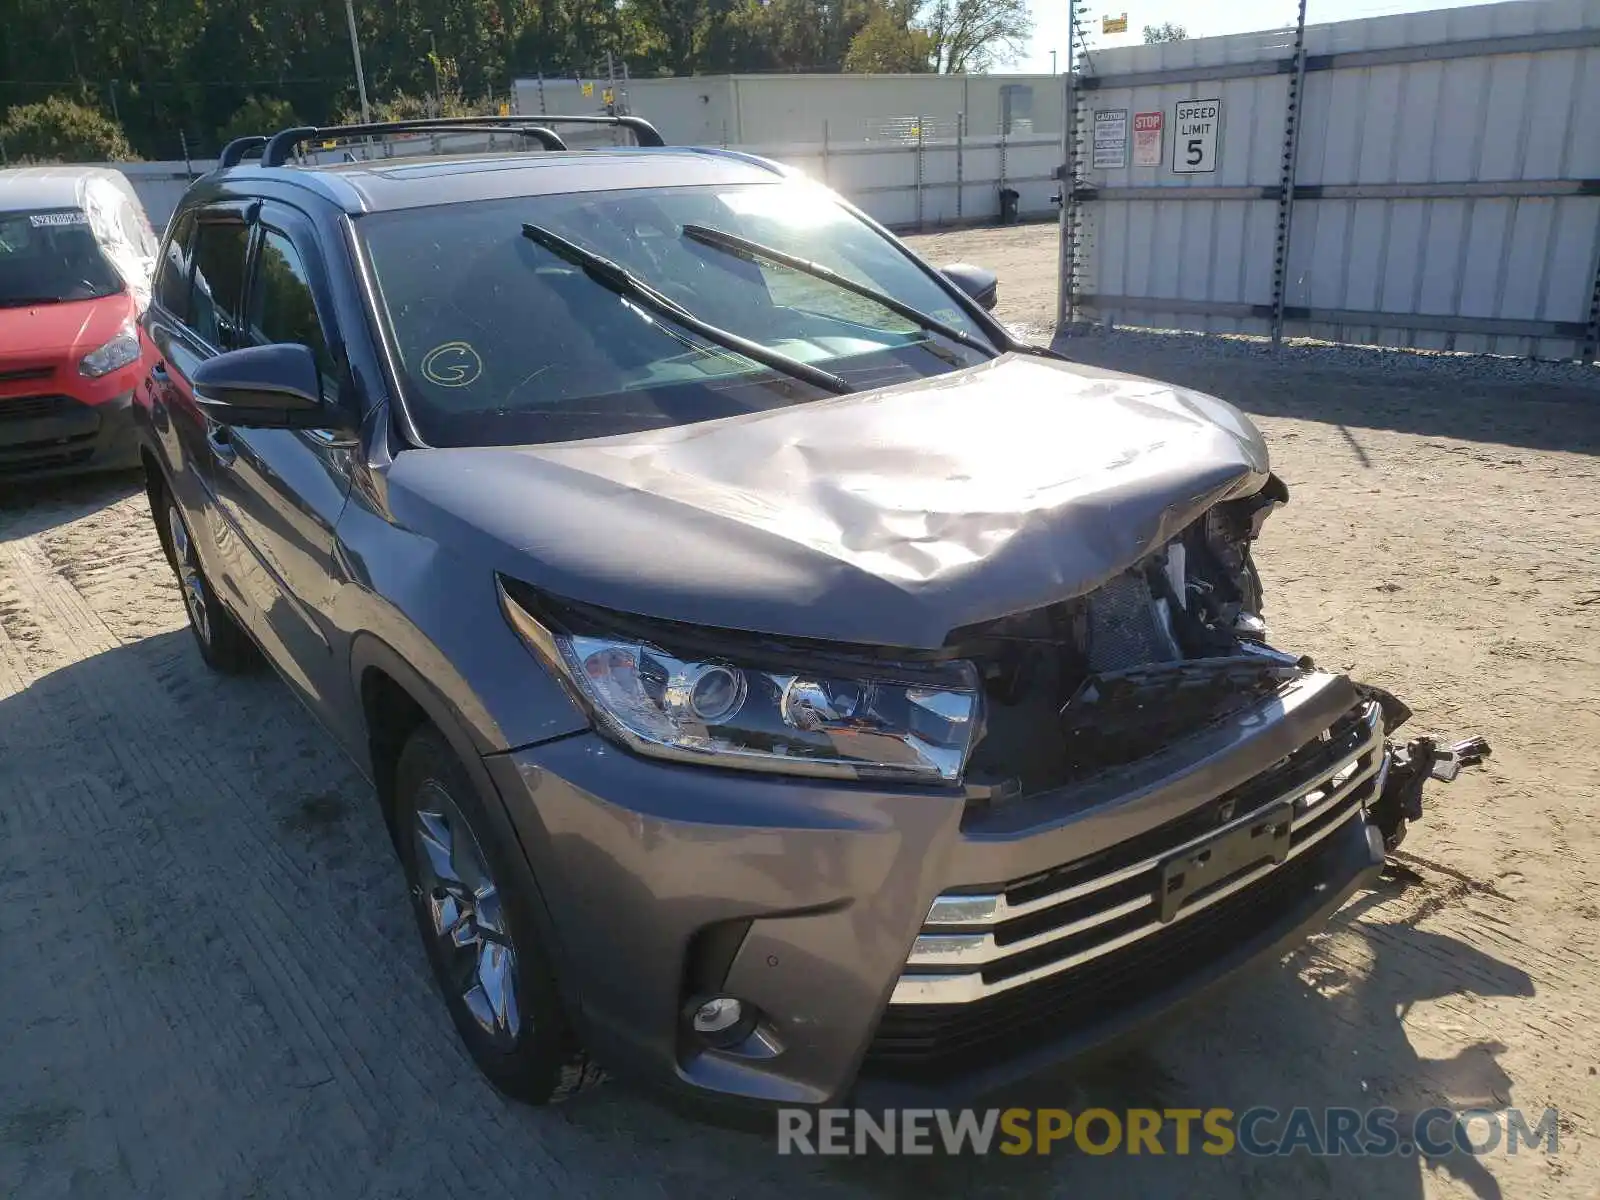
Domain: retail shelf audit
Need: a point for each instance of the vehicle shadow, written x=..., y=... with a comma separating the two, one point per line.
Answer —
x=1553, y=406
x=202, y=836
x=31, y=507
x=1323, y=1030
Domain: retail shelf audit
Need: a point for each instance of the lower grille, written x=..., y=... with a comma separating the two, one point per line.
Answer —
x=974, y=947
x=58, y=460
x=27, y=408
x=25, y=374
x=925, y=1043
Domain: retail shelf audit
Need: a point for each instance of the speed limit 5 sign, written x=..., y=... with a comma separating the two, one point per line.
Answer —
x=1194, y=144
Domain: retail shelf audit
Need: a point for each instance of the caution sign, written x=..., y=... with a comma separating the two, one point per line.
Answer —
x=1147, y=139
x=1194, y=140
x=1110, y=137
x=588, y=90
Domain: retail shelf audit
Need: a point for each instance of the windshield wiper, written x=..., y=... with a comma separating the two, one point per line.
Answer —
x=29, y=301
x=624, y=283
x=746, y=249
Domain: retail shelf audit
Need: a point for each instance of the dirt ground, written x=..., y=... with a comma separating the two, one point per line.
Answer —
x=210, y=984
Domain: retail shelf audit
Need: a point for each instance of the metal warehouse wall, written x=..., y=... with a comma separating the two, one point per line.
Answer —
x=910, y=150
x=1444, y=193
x=923, y=174
x=755, y=110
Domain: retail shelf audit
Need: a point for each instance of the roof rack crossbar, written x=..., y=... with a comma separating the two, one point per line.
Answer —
x=236, y=151
x=283, y=144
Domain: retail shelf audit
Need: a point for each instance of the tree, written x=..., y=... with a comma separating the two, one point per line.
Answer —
x=1167, y=32
x=684, y=26
x=974, y=35
x=61, y=130
x=258, y=114
x=889, y=44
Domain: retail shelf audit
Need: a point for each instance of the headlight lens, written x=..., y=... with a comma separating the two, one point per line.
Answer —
x=883, y=721
x=118, y=352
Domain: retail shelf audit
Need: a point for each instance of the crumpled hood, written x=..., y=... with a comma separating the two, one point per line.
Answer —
x=882, y=518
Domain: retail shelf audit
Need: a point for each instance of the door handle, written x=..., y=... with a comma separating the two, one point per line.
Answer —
x=220, y=439
x=159, y=372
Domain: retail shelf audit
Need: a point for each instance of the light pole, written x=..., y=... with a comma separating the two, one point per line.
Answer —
x=1052, y=62
x=438, y=86
x=355, y=50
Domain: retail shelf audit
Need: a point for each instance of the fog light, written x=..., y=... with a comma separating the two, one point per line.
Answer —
x=717, y=1015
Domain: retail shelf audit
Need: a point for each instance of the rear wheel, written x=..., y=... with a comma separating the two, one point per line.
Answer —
x=473, y=900
x=223, y=644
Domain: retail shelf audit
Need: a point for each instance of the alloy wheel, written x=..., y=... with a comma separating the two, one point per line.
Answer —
x=467, y=917
x=189, y=577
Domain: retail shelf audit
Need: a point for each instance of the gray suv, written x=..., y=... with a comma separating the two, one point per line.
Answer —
x=779, y=682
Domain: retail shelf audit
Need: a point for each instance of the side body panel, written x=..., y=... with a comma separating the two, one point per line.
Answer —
x=281, y=492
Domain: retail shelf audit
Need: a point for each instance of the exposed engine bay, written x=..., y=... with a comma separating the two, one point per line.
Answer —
x=1170, y=645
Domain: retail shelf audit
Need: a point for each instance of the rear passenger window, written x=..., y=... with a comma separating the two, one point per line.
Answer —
x=218, y=282
x=172, y=277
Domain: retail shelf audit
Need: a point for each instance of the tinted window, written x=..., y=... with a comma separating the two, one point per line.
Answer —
x=51, y=257
x=172, y=278
x=502, y=341
x=282, y=308
x=218, y=282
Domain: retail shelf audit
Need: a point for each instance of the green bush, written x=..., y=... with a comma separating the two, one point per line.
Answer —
x=259, y=114
x=61, y=130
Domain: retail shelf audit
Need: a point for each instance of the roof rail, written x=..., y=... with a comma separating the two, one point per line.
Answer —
x=235, y=151
x=283, y=144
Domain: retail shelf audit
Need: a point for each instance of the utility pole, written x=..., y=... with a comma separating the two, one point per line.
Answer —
x=438, y=85
x=355, y=51
x=1068, y=169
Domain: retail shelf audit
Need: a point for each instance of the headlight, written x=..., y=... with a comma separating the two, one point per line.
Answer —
x=870, y=720
x=118, y=352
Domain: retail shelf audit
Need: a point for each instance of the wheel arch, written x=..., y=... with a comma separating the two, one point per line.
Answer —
x=395, y=700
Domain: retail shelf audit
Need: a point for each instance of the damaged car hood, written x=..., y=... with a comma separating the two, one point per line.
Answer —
x=884, y=518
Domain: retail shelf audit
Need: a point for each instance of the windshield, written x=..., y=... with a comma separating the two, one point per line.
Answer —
x=50, y=257
x=503, y=341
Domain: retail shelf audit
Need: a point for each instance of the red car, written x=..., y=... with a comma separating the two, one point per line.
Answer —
x=76, y=252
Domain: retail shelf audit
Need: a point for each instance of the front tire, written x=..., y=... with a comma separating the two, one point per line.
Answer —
x=223, y=643
x=473, y=899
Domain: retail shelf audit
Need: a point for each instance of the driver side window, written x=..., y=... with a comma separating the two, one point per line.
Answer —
x=282, y=307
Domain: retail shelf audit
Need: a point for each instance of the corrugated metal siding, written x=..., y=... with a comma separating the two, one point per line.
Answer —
x=1485, y=119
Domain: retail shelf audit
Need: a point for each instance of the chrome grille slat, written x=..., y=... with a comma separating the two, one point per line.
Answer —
x=976, y=949
x=992, y=909
x=960, y=989
x=950, y=939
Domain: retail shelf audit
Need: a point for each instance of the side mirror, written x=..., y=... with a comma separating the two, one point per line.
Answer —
x=980, y=283
x=267, y=387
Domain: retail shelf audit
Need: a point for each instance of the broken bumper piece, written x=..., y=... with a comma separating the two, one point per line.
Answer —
x=1410, y=766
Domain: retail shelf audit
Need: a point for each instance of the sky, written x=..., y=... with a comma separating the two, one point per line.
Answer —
x=1201, y=18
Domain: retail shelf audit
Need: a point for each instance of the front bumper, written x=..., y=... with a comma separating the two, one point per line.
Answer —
x=42, y=436
x=905, y=945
